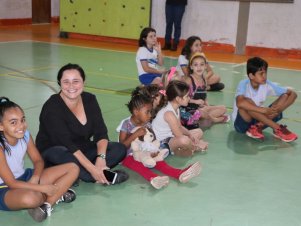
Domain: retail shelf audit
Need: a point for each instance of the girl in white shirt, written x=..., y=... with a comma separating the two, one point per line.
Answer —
x=167, y=125
x=34, y=189
x=149, y=58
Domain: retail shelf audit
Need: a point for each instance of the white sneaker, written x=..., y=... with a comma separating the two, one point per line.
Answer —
x=193, y=171
x=159, y=181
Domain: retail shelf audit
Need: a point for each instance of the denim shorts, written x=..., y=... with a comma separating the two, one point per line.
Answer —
x=242, y=126
x=164, y=143
x=3, y=188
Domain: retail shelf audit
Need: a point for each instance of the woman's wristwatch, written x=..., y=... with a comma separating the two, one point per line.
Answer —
x=102, y=156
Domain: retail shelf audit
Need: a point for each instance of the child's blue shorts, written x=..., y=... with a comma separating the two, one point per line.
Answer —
x=3, y=188
x=242, y=126
x=146, y=79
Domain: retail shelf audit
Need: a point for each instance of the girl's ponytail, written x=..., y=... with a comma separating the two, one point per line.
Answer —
x=5, y=104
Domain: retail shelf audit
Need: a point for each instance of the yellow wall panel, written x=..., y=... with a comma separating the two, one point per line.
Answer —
x=113, y=18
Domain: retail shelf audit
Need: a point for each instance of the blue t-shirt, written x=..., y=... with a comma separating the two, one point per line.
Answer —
x=259, y=95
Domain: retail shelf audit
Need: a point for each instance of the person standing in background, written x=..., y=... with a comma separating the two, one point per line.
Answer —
x=174, y=11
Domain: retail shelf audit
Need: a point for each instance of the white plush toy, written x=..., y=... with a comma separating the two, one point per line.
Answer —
x=146, y=149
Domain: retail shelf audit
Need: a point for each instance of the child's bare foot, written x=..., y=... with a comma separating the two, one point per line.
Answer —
x=226, y=118
x=202, y=146
x=191, y=172
x=159, y=181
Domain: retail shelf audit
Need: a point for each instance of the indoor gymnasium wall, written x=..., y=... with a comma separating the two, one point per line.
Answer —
x=118, y=18
x=21, y=9
x=15, y=9
x=214, y=21
x=272, y=27
x=275, y=29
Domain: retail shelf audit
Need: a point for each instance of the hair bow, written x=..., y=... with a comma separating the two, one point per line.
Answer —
x=163, y=92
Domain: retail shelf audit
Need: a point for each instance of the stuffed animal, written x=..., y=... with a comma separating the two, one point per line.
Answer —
x=146, y=149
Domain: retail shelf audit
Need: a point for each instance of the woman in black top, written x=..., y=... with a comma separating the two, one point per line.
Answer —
x=72, y=129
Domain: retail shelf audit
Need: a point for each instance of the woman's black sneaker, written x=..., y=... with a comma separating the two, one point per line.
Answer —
x=122, y=176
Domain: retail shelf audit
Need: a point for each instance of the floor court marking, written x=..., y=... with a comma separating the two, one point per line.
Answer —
x=25, y=70
x=101, y=90
x=88, y=72
x=239, y=65
x=29, y=76
x=134, y=52
x=111, y=75
x=100, y=73
x=95, y=89
x=8, y=42
x=107, y=50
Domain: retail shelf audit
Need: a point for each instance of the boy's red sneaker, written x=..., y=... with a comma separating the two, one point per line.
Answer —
x=284, y=134
x=255, y=131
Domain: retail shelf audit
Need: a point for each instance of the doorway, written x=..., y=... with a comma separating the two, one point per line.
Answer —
x=41, y=11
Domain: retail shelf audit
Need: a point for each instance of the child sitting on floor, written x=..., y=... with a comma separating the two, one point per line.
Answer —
x=167, y=125
x=197, y=82
x=36, y=189
x=249, y=115
x=140, y=107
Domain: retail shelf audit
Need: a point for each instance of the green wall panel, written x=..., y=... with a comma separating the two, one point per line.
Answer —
x=113, y=18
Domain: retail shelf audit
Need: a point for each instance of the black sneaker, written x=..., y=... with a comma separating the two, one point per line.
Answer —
x=67, y=197
x=217, y=86
x=40, y=213
x=122, y=176
x=174, y=47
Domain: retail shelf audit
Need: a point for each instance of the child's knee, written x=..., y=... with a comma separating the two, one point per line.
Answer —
x=74, y=168
x=241, y=102
x=197, y=133
x=215, y=78
x=71, y=167
x=184, y=141
x=32, y=199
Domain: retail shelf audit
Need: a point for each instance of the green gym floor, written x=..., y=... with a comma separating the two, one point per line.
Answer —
x=244, y=182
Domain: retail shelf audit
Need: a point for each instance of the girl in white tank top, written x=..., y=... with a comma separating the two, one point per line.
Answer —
x=167, y=125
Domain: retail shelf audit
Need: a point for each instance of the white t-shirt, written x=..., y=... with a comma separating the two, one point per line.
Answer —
x=15, y=159
x=259, y=96
x=160, y=126
x=149, y=55
x=182, y=62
